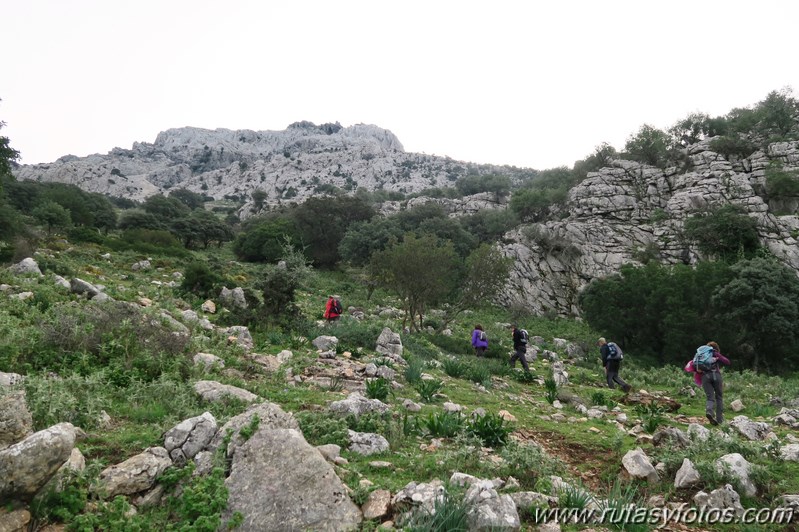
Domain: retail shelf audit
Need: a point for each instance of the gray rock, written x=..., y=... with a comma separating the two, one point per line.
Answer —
x=279, y=482
x=204, y=463
x=142, y=265
x=16, y=422
x=22, y=296
x=10, y=379
x=753, y=430
x=26, y=266
x=638, y=465
x=325, y=343
x=687, y=475
x=672, y=437
x=389, y=343
x=27, y=465
x=697, y=432
x=189, y=437
x=366, y=444
x=216, y=391
x=270, y=416
x=422, y=496
x=739, y=468
x=377, y=506
x=134, y=475
x=790, y=452
x=410, y=406
x=61, y=282
x=208, y=361
x=490, y=511
x=80, y=287
x=524, y=500
x=725, y=498
x=242, y=336
x=356, y=405
x=233, y=298
x=330, y=451
x=737, y=405
x=14, y=520
x=790, y=502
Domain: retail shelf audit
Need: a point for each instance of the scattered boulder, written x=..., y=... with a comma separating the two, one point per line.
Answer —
x=739, y=468
x=720, y=499
x=737, y=405
x=279, y=482
x=240, y=335
x=209, y=307
x=80, y=287
x=753, y=430
x=22, y=296
x=134, y=475
x=423, y=496
x=16, y=422
x=233, y=298
x=366, y=443
x=790, y=452
x=325, y=343
x=687, y=475
x=330, y=452
x=270, y=416
x=14, y=520
x=389, y=343
x=61, y=282
x=671, y=436
x=377, y=506
x=26, y=266
x=189, y=437
x=142, y=265
x=410, y=406
x=524, y=500
x=208, y=360
x=26, y=466
x=451, y=407
x=637, y=464
x=192, y=317
x=790, y=502
x=490, y=511
x=216, y=391
x=559, y=373
x=356, y=405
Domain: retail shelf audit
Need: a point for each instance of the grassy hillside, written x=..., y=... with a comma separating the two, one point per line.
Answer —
x=122, y=376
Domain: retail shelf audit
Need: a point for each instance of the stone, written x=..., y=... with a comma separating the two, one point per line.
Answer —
x=208, y=306
x=149, y=499
x=790, y=452
x=330, y=451
x=204, y=463
x=23, y=296
x=27, y=465
x=414, y=495
x=452, y=408
x=80, y=287
x=26, y=266
x=366, y=443
x=410, y=406
x=241, y=336
x=488, y=510
x=381, y=464
x=134, y=475
x=725, y=498
x=357, y=405
x=16, y=422
x=14, y=520
x=325, y=343
x=278, y=481
x=672, y=437
x=270, y=416
x=524, y=500
x=753, y=430
x=637, y=464
x=507, y=416
x=189, y=437
x=687, y=475
x=389, y=343
x=216, y=391
x=142, y=265
x=698, y=432
x=377, y=505
x=61, y=282
x=737, y=405
x=740, y=469
x=208, y=361
x=284, y=356
x=233, y=298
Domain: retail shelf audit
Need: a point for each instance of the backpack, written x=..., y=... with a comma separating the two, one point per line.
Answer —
x=615, y=352
x=524, y=336
x=703, y=359
x=336, y=309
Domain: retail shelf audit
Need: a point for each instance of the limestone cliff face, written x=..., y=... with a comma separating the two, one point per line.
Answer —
x=288, y=165
x=628, y=210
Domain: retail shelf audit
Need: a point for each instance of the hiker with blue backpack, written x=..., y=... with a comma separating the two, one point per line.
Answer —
x=705, y=366
x=611, y=358
x=479, y=340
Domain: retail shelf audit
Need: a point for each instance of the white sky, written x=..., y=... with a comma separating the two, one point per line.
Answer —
x=529, y=83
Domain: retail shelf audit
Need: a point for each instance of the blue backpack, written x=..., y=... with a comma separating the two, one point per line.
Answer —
x=703, y=359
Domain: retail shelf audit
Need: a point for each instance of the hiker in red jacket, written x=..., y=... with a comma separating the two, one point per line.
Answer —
x=333, y=308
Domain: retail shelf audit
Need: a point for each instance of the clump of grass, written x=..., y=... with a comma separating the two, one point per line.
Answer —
x=413, y=372
x=492, y=429
x=428, y=388
x=551, y=390
x=378, y=388
x=454, y=367
x=443, y=424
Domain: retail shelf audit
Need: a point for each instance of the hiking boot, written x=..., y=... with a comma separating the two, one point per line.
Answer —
x=627, y=388
x=712, y=419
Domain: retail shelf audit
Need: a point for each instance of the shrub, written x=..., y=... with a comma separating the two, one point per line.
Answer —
x=651, y=416
x=377, y=388
x=443, y=424
x=480, y=374
x=428, y=388
x=454, y=367
x=85, y=234
x=725, y=232
x=321, y=429
x=551, y=390
x=449, y=513
x=199, y=279
x=491, y=428
x=413, y=372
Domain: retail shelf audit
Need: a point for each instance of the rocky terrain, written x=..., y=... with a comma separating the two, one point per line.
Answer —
x=288, y=165
x=300, y=436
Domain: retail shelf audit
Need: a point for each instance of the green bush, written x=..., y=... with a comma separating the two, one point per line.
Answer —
x=443, y=424
x=726, y=232
x=479, y=374
x=321, y=429
x=454, y=367
x=378, y=388
x=451, y=344
x=428, y=388
x=449, y=513
x=413, y=372
x=198, y=278
x=85, y=234
x=491, y=428
x=551, y=390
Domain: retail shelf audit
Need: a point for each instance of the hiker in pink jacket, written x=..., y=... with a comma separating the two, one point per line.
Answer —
x=712, y=383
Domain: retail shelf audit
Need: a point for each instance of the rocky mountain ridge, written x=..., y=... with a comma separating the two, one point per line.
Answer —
x=289, y=165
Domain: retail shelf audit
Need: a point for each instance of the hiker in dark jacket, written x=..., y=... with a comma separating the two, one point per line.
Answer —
x=712, y=383
x=519, y=348
x=479, y=340
x=611, y=367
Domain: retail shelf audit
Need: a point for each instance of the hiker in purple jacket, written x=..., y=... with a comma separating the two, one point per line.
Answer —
x=479, y=340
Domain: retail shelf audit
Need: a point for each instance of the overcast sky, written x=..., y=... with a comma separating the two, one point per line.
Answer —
x=529, y=83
